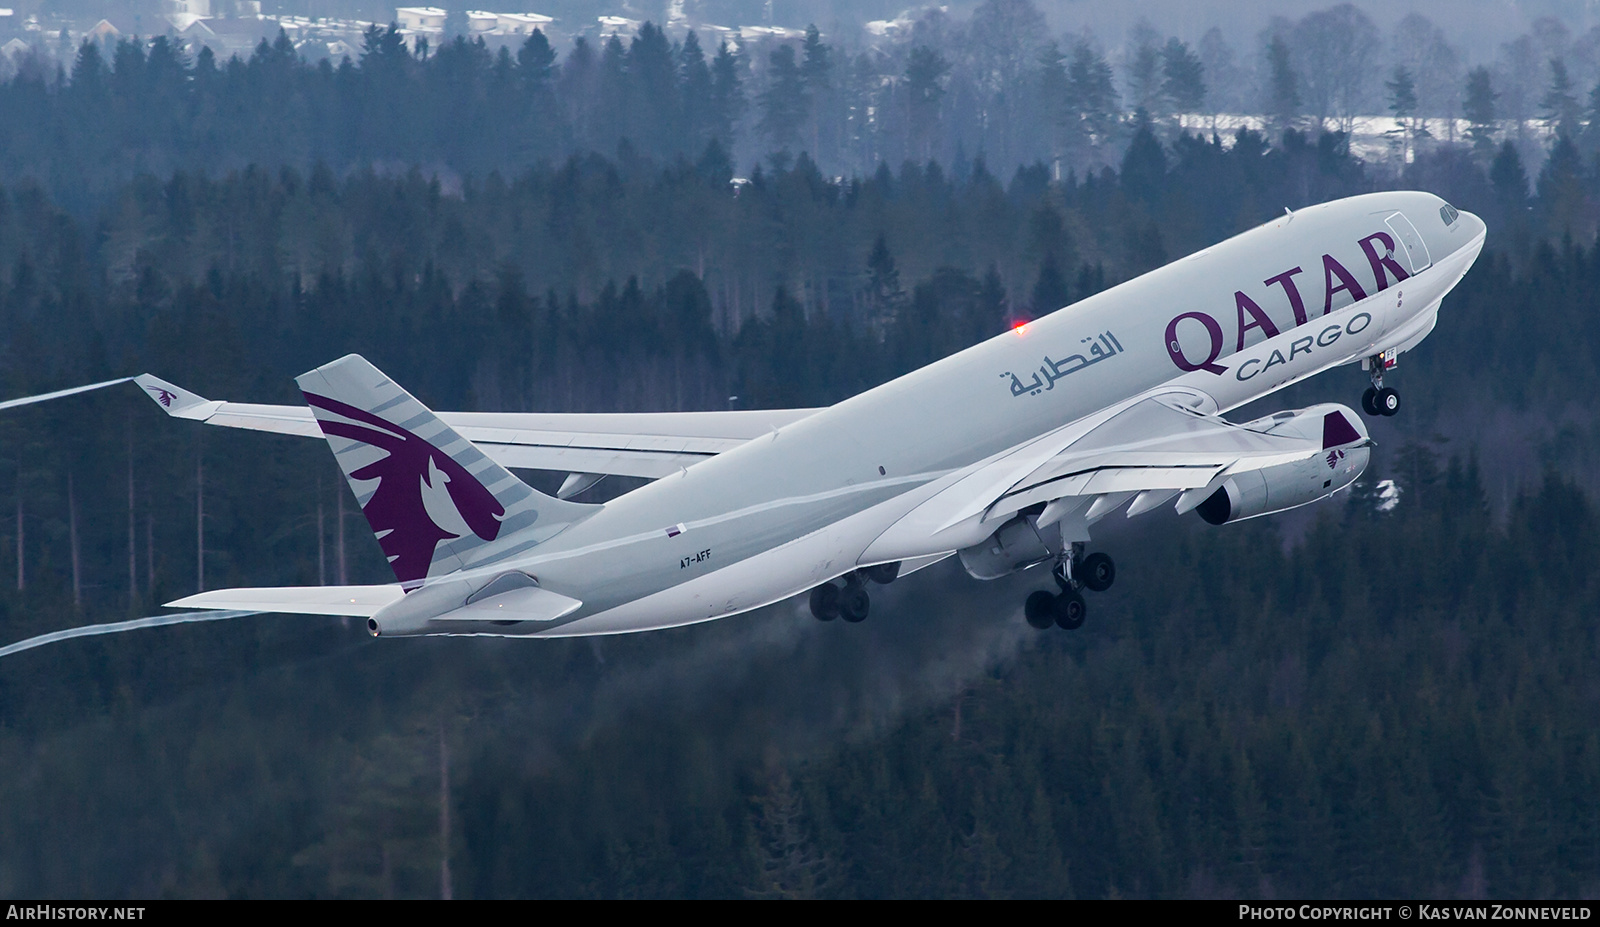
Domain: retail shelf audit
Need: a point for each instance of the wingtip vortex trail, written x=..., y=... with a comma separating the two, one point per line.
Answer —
x=60, y=393
x=93, y=630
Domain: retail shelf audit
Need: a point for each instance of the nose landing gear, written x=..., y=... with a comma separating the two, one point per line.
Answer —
x=1072, y=572
x=1378, y=399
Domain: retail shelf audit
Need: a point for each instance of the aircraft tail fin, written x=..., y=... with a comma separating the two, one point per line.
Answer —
x=436, y=503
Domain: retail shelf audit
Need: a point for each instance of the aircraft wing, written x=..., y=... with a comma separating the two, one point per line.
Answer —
x=1155, y=450
x=1147, y=452
x=644, y=444
x=351, y=601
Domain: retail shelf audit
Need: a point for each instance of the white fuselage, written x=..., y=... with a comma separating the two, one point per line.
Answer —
x=851, y=485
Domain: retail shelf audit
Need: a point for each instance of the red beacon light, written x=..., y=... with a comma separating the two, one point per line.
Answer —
x=1020, y=326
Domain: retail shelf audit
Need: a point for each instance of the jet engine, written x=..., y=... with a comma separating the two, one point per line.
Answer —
x=1345, y=451
x=1015, y=545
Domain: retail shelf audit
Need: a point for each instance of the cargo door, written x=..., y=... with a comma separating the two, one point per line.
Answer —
x=1416, y=250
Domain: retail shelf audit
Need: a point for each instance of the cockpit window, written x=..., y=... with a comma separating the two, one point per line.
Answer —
x=1449, y=214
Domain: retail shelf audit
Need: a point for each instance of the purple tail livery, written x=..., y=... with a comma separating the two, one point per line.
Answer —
x=436, y=503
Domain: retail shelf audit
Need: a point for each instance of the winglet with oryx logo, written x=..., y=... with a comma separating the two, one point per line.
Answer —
x=436, y=503
x=175, y=400
x=1337, y=431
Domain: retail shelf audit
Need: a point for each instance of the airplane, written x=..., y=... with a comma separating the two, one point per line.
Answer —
x=1003, y=455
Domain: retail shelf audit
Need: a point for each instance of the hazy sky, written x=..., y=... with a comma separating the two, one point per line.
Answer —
x=1477, y=27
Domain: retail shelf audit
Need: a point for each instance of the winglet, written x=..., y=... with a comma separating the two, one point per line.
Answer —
x=176, y=400
x=1337, y=431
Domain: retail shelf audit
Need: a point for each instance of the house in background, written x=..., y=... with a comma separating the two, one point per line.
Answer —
x=228, y=37
x=421, y=20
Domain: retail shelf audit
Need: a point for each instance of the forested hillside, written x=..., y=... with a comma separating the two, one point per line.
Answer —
x=1399, y=704
x=1355, y=702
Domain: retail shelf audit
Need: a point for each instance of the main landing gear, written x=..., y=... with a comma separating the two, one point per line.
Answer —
x=851, y=602
x=1072, y=573
x=1378, y=399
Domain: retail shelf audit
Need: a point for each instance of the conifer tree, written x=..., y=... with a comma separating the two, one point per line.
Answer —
x=1478, y=106
x=925, y=71
x=816, y=73
x=1054, y=90
x=1093, y=96
x=1183, y=85
x=1283, y=90
x=884, y=294
x=1559, y=107
x=784, y=103
x=1590, y=134
x=1144, y=165
x=727, y=95
x=655, y=118
x=1507, y=175
x=1402, y=91
x=1144, y=69
x=697, y=95
x=536, y=63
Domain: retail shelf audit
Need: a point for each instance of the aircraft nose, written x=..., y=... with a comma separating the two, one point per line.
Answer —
x=1474, y=226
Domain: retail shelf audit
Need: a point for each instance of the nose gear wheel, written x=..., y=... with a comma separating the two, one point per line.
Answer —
x=1379, y=399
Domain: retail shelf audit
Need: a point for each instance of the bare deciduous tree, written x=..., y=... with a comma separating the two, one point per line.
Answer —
x=1334, y=49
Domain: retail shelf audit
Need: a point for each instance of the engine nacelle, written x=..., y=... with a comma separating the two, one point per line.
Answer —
x=1015, y=545
x=1345, y=451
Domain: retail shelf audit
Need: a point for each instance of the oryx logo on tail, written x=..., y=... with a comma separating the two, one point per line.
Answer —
x=406, y=508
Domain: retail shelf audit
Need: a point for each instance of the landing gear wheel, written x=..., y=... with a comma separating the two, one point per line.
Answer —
x=1098, y=572
x=1387, y=401
x=854, y=603
x=1369, y=402
x=883, y=574
x=1070, y=611
x=825, y=602
x=1040, y=609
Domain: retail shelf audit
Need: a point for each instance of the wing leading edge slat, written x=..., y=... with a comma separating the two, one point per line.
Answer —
x=1147, y=451
x=1151, y=446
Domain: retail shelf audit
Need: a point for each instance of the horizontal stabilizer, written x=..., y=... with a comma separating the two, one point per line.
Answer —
x=352, y=601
